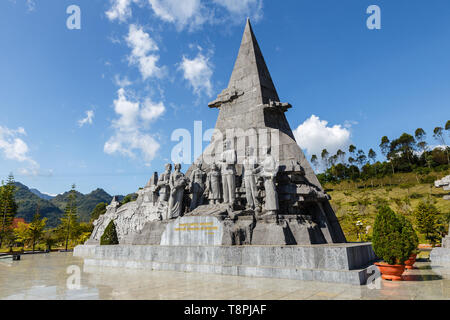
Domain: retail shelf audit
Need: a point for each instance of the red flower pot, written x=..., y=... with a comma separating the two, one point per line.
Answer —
x=410, y=262
x=391, y=272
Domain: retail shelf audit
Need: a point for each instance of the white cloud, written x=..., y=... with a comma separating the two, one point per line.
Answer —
x=198, y=72
x=49, y=194
x=131, y=127
x=88, y=119
x=122, y=82
x=151, y=111
x=184, y=13
x=191, y=13
x=194, y=13
x=31, y=5
x=142, y=45
x=34, y=171
x=314, y=135
x=120, y=10
x=15, y=148
x=243, y=8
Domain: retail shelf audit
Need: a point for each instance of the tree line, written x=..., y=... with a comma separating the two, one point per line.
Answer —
x=69, y=232
x=407, y=153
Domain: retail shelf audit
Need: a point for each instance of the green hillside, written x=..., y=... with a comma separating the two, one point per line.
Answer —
x=53, y=209
x=86, y=203
x=27, y=203
x=402, y=192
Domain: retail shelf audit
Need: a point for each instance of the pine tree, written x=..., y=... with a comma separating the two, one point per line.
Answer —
x=438, y=134
x=410, y=234
x=8, y=207
x=36, y=228
x=315, y=161
x=426, y=215
x=70, y=219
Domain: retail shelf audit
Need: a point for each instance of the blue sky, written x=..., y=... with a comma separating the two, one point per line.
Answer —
x=139, y=69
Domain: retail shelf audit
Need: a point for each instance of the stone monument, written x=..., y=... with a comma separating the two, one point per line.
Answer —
x=250, y=205
x=439, y=255
x=445, y=184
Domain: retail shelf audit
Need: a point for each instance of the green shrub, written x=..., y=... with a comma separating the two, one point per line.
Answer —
x=109, y=237
x=410, y=235
x=416, y=195
x=389, y=242
x=428, y=179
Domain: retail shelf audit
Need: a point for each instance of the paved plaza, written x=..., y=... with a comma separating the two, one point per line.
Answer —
x=45, y=276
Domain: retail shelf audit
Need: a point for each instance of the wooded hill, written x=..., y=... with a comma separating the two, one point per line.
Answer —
x=53, y=208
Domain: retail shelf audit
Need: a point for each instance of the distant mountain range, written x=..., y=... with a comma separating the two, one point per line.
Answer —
x=42, y=195
x=53, y=207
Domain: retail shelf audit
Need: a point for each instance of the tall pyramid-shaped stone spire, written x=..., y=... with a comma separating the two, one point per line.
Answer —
x=250, y=70
x=250, y=108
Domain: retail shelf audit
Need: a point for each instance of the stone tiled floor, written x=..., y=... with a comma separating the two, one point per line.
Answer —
x=45, y=277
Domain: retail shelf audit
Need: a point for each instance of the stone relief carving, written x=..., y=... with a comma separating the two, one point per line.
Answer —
x=197, y=186
x=177, y=183
x=214, y=191
x=250, y=175
x=269, y=174
x=228, y=162
x=213, y=185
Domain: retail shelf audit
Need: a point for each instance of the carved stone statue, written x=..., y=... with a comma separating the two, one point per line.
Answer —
x=97, y=225
x=163, y=184
x=197, y=187
x=228, y=162
x=250, y=176
x=213, y=184
x=269, y=173
x=177, y=183
x=101, y=223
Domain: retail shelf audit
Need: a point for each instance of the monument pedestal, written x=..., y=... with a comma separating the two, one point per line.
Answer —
x=442, y=254
x=242, y=246
x=341, y=263
x=221, y=229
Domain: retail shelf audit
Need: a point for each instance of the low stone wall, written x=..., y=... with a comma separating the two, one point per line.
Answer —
x=440, y=255
x=344, y=263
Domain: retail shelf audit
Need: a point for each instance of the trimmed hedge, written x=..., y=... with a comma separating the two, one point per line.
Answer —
x=109, y=237
x=391, y=237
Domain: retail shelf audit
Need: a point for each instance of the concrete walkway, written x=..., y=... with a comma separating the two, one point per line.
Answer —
x=46, y=276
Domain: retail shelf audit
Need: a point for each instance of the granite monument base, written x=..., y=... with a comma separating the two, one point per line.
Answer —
x=227, y=229
x=341, y=263
x=440, y=255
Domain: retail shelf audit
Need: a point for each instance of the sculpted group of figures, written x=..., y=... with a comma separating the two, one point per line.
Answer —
x=218, y=186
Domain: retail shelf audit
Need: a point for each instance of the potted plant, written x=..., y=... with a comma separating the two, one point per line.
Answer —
x=390, y=244
x=412, y=241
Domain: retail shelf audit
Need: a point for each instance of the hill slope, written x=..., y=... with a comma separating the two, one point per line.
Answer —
x=28, y=200
x=86, y=203
x=41, y=195
x=402, y=193
x=27, y=203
